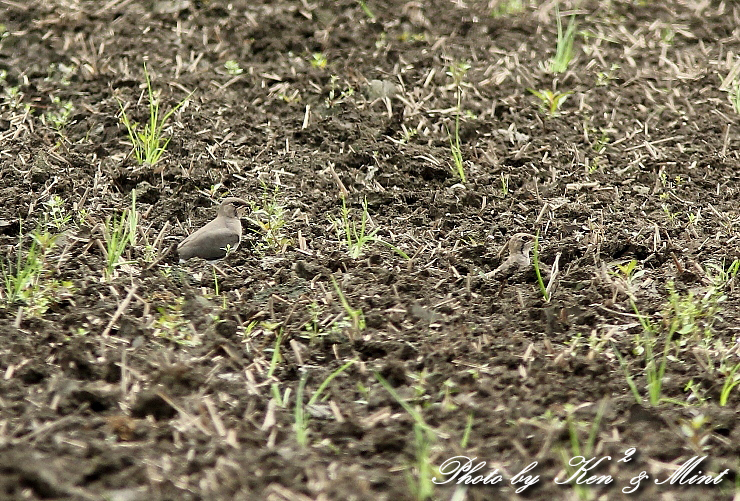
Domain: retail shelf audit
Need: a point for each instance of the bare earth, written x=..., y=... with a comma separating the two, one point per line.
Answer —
x=160, y=381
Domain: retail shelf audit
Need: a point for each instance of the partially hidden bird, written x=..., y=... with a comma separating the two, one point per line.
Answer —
x=217, y=238
x=519, y=247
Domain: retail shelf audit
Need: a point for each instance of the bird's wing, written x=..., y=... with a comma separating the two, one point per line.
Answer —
x=209, y=245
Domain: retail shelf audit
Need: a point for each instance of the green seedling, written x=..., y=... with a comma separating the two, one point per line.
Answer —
x=731, y=380
x=604, y=78
x=148, y=141
x=691, y=316
x=61, y=73
x=504, y=8
x=536, y=265
x=55, y=214
x=366, y=10
x=132, y=218
x=685, y=318
x=59, y=112
x=318, y=60
x=408, y=133
x=424, y=436
x=667, y=35
x=697, y=430
x=458, y=165
x=232, y=67
x=215, y=279
x=550, y=102
x=29, y=280
x=696, y=392
x=601, y=143
x=269, y=215
x=721, y=277
x=118, y=234
x=504, y=184
x=274, y=361
x=172, y=325
x=357, y=236
x=423, y=488
x=301, y=418
x=654, y=370
x=466, y=434
x=593, y=164
x=356, y=316
x=564, y=49
x=314, y=328
x=734, y=96
x=24, y=275
x=337, y=95
x=13, y=99
x=575, y=446
x=457, y=72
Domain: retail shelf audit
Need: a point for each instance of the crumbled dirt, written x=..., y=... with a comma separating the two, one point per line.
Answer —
x=158, y=381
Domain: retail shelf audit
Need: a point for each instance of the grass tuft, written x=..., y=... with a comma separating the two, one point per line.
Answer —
x=536, y=265
x=564, y=49
x=148, y=141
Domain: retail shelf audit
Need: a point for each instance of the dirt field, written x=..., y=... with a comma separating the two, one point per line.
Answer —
x=411, y=167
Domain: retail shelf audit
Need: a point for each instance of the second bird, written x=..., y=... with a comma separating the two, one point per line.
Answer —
x=216, y=238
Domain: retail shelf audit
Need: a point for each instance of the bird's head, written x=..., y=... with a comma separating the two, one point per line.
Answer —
x=230, y=206
x=519, y=243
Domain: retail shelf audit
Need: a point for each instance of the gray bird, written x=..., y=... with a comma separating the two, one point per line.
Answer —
x=212, y=241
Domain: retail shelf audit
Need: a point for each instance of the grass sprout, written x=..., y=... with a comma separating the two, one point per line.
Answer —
x=300, y=424
x=564, y=49
x=119, y=233
x=686, y=318
x=422, y=487
x=300, y=416
x=654, y=369
x=536, y=265
x=366, y=10
x=734, y=95
x=148, y=141
x=357, y=237
x=269, y=215
x=356, y=316
x=576, y=449
x=172, y=325
x=503, y=8
x=233, y=68
x=29, y=280
x=456, y=150
x=457, y=72
x=59, y=113
x=550, y=102
x=24, y=275
x=731, y=380
x=274, y=361
x=319, y=60
x=466, y=434
x=627, y=375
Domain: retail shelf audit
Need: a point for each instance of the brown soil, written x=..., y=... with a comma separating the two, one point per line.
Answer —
x=151, y=384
